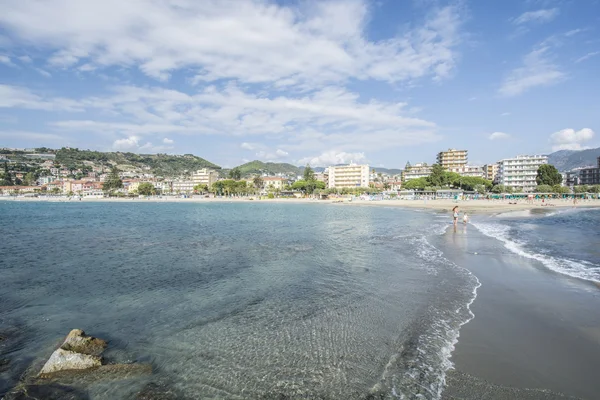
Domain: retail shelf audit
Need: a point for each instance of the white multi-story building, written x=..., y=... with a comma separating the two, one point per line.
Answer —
x=520, y=172
x=205, y=176
x=349, y=176
x=183, y=186
x=420, y=170
x=469, y=170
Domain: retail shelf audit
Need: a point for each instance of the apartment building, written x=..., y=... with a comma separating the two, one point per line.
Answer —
x=520, y=172
x=469, y=170
x=490, y=172
x=590, y=176
x=452, y=158
x=348, y=176
x=205, y=176
x=419, y=170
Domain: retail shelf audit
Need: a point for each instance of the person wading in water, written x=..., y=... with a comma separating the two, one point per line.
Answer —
x=455, y=216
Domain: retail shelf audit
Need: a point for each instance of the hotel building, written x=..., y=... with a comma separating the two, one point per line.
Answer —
x=490, y=172
x=520, y=172
x=452, y=159
x=349, y=176
x=590, y=176
x=420, y=170
x=204, y=176
x=274, y=182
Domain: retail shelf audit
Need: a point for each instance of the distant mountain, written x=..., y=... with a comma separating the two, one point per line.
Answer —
x=258, y=168
x=566, y=160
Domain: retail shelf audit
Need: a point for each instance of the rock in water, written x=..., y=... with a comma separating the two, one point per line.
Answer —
x=62, y=360
x=78, y=342
x=77, y=352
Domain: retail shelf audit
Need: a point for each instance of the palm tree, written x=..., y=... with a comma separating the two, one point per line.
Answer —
x=258, y=182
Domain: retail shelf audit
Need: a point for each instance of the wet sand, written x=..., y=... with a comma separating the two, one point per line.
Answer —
x=536, y=333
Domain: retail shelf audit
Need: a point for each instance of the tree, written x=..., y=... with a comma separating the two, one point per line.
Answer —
x=309, y=174
x=547, y=174
x=501, y=189
x=419, y=183
x=112, y=181
x=437, y=177
x=386, y=186
x=6, y=178
x=544, y=189
x=258, y=182
x=29, y=179
x=580, y=189
x=560, y=189
x=146, y=189
x=235, y=174
x=201, y=188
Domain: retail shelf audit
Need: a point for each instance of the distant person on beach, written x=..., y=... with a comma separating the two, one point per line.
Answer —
x=465, y=218
x=455, y=215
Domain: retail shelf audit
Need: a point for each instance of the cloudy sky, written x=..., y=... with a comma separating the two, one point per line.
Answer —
x=324, y=82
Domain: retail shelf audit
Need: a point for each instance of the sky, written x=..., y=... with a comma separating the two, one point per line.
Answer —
x=321, y=82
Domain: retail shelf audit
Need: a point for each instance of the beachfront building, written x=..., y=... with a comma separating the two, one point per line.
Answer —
x=205, y=176
x=452, y=159
x=322, y=176
x=590, y=176
x=185, y=186
x=274, y=182
x=419, y=170
x=490, y=172
x=469, y=170
x=349, y=176
x=519, y=173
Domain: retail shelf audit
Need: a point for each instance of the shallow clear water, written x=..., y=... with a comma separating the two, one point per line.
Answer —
x=236, y=301
x=566, y=241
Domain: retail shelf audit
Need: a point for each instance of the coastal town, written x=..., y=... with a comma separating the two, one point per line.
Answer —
x=34, y=172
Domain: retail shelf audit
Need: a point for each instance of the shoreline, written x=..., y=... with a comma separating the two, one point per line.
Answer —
x=534, y=334
x=471, y=207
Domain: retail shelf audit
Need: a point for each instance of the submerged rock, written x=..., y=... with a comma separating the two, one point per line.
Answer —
x=110, y=372
x=46, y=392
x=77, y=352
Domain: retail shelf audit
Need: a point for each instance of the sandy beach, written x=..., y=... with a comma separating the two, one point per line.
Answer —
x=535, y=333
x=469, y=206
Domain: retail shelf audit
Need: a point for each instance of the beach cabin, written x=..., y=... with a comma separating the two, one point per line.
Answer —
x=452, y=194
x=406, y=194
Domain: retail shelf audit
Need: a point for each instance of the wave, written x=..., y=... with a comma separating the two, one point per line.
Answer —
x=574, y=268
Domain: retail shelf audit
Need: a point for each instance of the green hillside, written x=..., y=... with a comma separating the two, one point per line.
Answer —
x=158, y=164
x=258, y=168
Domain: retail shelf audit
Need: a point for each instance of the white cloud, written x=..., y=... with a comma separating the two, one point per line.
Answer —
x=128, y=144
x=37, y=137
x=168, y=141
x=539, y=16
x=569, y=139
x=537, y=70
x=499, y=136
x=26, y=59
x=43, y=72
x=19, y=97
x=281, y=153
x=249, y=146
x=6, y=60
x=133, y=144
x=505, y=114
x=333, y=157
x=587, y=56
x=301, y=44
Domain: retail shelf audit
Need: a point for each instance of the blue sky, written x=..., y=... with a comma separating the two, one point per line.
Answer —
x=323, y=82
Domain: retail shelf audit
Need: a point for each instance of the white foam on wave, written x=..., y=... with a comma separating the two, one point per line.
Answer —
x=574, y=268
x=447, y=328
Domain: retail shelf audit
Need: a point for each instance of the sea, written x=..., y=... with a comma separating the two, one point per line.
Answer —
x=247, y=300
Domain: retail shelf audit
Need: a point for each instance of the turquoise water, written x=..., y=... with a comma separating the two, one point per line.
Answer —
x=236, y=300
x=565, y=241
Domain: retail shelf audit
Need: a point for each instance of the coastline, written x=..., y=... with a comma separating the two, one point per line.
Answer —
x=535, y=334
x=471, y=207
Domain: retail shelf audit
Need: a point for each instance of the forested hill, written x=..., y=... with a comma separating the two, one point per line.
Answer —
x=269, y=168
x=565, y=160
x=158, y=164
